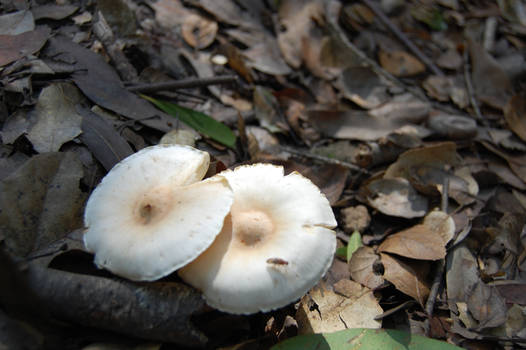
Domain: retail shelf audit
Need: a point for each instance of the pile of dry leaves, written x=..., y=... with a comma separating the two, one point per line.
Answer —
x=409, y=116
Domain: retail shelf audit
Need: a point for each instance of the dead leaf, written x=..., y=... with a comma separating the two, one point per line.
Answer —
x=16, y=125
x=334, y=312
x=102, y=140
x=404, y=108
x=400, y=63
x=266, y=108
x=41, y=201
x=514, y=293
x=453, y=127
x=53, y=11
x=362, y=267
x=170, y=13
x=417, y=242
x=298, y=18
x=198, y=31
x=408, y=276
x=515, y=115
x=57, y=120
x=14, y=47
x=101, y=84
x=492, y=85
x=450, y=59
x=363, y=86
x=486, y=305
x=461, y=274
x=18, y=22
x=517, y=163
x=438, y=155
x=396, y=197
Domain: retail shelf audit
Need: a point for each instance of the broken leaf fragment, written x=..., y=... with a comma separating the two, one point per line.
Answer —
x=335, y=312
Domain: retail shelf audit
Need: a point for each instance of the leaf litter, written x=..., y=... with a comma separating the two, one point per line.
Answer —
x=392, y=109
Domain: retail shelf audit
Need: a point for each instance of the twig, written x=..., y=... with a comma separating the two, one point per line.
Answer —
x=307, y=154
x=441, y=264
x=335, y=29
x=469, y=87
x=395, y=309
x=104, y=33
x=403, y=38
x=182, y=84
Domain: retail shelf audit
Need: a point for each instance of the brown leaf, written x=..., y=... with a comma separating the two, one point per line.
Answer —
x=41, y=201
x=363, y=86
x=438, y=155
x=100, y=83
x=57, y=121
x=102, y=140
x=514, y=293
x=486, y=305
x=396, y=197
x=417, y=242
x=409, y=277
x=362, y=270
x=517, y=163
x=14, y=47
x=461, y=274
x=53, y=11
x=492, y=84
x=335, y=312
x=515, y=115
x=400, y=63
x=198, y=31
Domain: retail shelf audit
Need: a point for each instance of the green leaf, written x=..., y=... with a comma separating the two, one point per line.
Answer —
x=355, y=242
x=363, y=339
x=342, y=252
x=201, y=122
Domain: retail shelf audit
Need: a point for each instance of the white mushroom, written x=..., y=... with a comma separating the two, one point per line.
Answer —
x=150, y=215
x=275, y=245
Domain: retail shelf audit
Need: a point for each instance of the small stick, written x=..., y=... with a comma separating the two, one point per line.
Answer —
x=182, y=84
x=403, y=38
x=469, y=87
x=307, y=154
x=441, y=264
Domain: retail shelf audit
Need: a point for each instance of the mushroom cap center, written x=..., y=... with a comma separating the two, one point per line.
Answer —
x=250, y=228
x=153, y=205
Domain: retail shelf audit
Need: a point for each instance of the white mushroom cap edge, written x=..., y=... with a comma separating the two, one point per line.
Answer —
x=151, y=214
x=275, y=245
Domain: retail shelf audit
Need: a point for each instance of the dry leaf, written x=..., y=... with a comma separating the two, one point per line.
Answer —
x=57, y=120
x=438, y=155
x=515, y=115
x=363, y=86
x=486, y=305
x=461, y=274
x=198, y=31
x=336, y=312
x=404, y=108
x=396, y=197
x=14, y=47
x=400, y=63
x=417, y=242
x=355, y=218
x=362, y=268
x=18, y=22
x=517, y=163
x=409, y=277
x=41, y=201
x=492, y=84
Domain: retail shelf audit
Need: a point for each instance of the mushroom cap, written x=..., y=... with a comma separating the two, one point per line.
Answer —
x=275, y=245
x=149, y=215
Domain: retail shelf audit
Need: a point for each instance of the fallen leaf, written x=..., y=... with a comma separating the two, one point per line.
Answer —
x=514, y=293
x=453, y=127
x=18, y=22
x=355, y=218
x=486, y=305
x=517, y=163
x=461, y=274
x=101, y=84
x=170, y=13
x=492, y=85
x=417, y=242
x=438, y=155
x=515, y=115
x=363, y=86
x=298, y=19
x=16, y=125
x=408, y=276
x=404, y=108
x=57, y=120
x=41, y=201
x=334, y=312
x=14, y=47
x=198, y=31
x=362, y=267
x=266, y=108
x=53, y=11
x=400, y=63
x=102, y=140
x=396, y=197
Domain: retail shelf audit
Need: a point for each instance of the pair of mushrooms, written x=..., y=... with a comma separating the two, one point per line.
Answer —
x=251, y=239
